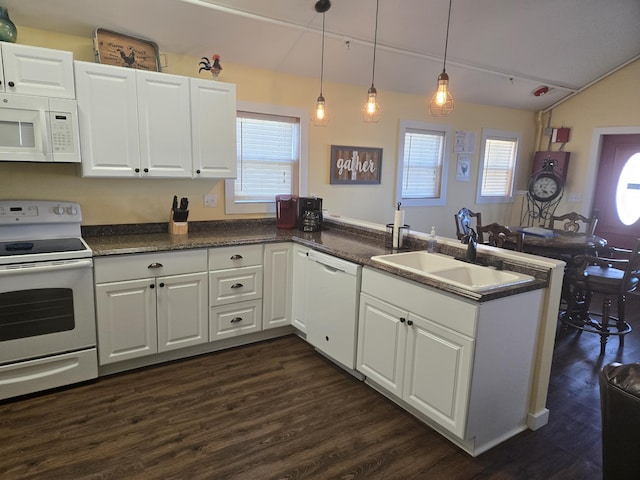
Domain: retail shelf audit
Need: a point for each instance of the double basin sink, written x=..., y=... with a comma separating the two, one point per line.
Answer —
x=446, y=269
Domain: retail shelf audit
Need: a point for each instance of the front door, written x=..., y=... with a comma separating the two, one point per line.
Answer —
x=617, y=190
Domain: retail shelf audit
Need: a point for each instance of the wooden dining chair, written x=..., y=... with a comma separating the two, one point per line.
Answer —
x=612, y=279
x=574, y=222
x=463, y=221
x=501, y=236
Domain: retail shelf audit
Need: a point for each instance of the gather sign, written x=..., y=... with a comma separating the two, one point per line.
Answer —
x=355, y=165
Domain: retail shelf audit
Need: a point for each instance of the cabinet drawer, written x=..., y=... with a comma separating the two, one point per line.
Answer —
x=129, y=267
x=233, y=320
x=231, y=257
x=235, y=285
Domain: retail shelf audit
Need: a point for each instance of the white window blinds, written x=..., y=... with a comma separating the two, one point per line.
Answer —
x=268, y=154
x=422, y=164
x=499, y=165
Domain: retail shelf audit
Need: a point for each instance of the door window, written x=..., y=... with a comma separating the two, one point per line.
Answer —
x=628, y=191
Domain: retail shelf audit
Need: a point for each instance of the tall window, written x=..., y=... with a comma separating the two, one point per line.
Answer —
x=498, y=156
x=422, y=164
x=269, y=150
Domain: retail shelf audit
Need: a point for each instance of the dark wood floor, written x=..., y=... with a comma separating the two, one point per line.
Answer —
x=278, y=410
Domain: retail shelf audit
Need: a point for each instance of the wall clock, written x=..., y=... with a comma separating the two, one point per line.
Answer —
x=545, y=186
x=114, y=48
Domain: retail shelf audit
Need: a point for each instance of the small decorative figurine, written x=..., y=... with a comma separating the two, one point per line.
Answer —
x=214, y=67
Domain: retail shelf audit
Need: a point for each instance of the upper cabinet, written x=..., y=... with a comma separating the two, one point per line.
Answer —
x=36, y=71
x=135, y=123
x=213, y=123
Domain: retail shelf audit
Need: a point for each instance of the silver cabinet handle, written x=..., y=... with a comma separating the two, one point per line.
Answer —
x=236, y=257
x=237, y=285
x=236, y=319
x=155, y=265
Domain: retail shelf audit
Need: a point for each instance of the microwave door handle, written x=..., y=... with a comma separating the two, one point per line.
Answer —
x=45, y=123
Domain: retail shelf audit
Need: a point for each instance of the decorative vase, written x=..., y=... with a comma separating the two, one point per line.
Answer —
x=8, y=31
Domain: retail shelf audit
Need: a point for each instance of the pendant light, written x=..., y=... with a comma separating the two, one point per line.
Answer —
x=371, y=109
x=441, y=103
x=320, y=118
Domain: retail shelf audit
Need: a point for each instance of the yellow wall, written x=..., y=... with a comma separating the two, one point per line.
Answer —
x=108, y=201
x=613, y=103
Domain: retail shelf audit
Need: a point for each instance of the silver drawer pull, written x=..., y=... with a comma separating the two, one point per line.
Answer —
x=155, y=265
x=236, y=319
x=237, y=285
x=236, y=257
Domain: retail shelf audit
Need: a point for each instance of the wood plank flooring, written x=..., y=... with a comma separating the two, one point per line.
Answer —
x=278, y=410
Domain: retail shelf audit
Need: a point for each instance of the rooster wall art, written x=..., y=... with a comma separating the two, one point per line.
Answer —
x=214, y=67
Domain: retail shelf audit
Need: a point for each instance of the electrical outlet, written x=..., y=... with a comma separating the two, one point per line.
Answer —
x=210, y=200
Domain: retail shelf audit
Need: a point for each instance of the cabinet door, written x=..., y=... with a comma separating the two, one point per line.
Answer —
x=164, y=122
x=38, y=71
x=382, y=332
x=108, y=119
x=182, y=311
x=213, y=124
x=277, y=285
x=438, y=373
x=299, y=287
x=126, y=317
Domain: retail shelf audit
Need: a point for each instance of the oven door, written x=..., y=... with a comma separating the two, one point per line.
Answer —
x=46, y=308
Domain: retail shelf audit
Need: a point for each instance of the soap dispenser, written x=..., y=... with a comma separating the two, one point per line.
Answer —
x=431, y=241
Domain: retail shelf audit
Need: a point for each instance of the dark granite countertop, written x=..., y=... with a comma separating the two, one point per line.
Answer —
x=354, y=244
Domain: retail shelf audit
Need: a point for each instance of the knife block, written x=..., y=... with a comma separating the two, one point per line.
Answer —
x=177, y=228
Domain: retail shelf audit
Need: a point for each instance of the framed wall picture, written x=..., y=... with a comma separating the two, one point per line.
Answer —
x=114, y=48
x=355, y=165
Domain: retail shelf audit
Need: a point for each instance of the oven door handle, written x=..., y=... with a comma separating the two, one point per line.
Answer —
x=47, y=267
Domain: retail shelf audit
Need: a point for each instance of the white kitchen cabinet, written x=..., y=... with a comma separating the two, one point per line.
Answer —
x=213, y=124
x=150, y=303
x=299, y=287
x=28, y=70
x=463, y=367
x=235, y=291
x=276, y=302
x=164, y=125
x=133, y=123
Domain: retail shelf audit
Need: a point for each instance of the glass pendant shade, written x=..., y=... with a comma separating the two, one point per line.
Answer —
x=320, y=118
x=371, y=110
x=441, y=104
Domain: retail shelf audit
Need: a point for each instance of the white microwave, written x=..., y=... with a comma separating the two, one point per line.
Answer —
x=38, y=129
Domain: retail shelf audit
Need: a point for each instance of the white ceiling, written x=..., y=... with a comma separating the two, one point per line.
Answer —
x=499, y=51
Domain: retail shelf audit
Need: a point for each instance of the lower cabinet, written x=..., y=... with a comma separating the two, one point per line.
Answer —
x=150, y=303
x=419, y=361
x=235, y=291
x=463, y=367
x=299, y=287
x=277, y=299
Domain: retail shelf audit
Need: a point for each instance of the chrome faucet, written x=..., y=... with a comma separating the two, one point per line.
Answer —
x=471, y=239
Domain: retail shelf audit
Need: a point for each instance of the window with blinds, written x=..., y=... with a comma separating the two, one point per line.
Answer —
x=268, y=151
x=499, y=155
x=422, y=163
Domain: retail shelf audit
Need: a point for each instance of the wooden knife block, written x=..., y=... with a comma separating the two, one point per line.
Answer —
x=178, y=228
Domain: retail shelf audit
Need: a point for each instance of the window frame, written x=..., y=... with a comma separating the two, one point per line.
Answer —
x=495, y=134
x=444, y=172
x=231, y=207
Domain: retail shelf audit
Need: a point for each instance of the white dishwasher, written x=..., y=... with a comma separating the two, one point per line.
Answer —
x=333, y=292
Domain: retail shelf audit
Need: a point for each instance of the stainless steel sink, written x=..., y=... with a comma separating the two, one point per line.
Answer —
x=448, y=270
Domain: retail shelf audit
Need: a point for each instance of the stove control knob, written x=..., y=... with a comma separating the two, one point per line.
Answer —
x=72, y=210
x=58, y=210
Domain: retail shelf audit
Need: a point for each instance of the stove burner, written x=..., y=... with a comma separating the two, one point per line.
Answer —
x=41, y=246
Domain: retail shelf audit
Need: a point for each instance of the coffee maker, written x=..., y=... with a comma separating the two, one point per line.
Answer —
x=286, y=211
x=310, y=214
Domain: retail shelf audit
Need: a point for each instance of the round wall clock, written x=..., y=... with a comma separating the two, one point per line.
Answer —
x=545, y=186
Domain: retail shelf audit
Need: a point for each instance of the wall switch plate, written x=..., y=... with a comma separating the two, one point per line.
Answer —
x=575, y=197
x=210, y=200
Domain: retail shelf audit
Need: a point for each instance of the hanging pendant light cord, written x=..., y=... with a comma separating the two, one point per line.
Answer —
x=322, y=56
x=446, y=41
x=375, y=43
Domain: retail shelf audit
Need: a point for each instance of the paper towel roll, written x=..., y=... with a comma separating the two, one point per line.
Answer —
x=398, y=221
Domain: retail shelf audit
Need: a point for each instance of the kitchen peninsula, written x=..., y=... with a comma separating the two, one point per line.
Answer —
x=467, y=422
